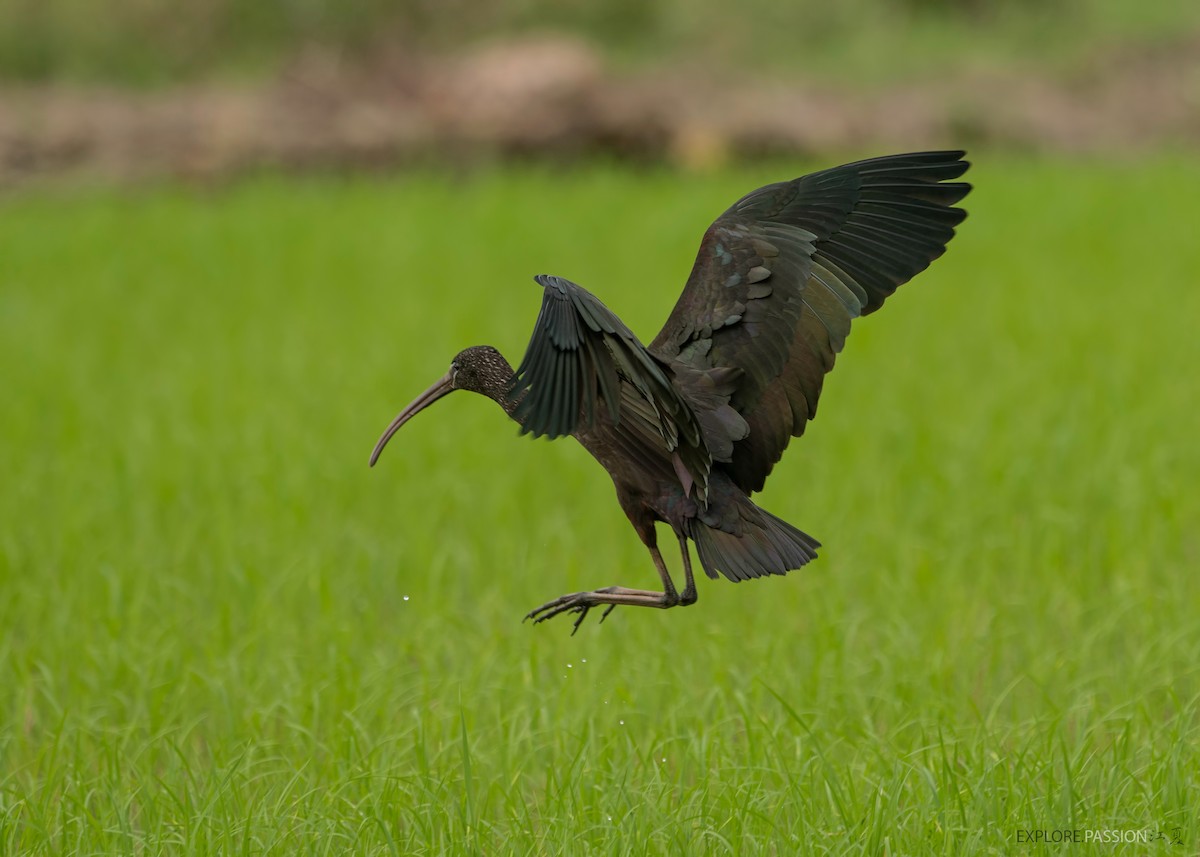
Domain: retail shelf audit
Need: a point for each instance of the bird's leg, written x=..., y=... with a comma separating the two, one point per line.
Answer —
x=689, y=594
x=614, y=596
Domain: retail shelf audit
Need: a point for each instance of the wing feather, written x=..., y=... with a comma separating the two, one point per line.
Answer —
x=585, y=371
x=780, y=276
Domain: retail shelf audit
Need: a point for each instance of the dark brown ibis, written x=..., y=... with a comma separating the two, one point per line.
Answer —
x=691, y=425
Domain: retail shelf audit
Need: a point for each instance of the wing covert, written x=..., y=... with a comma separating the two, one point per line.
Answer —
x=780, y=276
x=583, y=366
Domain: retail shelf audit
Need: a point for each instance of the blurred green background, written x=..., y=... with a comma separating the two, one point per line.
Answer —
x=158, y=41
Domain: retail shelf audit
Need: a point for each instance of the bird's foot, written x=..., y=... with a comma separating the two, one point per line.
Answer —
x=609, y=597
x=578, y=602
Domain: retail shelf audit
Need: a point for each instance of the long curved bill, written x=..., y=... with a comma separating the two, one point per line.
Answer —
x=443, y=386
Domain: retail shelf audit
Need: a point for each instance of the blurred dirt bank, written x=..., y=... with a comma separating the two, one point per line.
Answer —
x=556, y=98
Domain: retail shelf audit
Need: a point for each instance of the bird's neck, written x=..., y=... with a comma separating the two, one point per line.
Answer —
x=500, y=396
x=495, y=386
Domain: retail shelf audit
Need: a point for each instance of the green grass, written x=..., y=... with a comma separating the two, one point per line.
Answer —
x=221, y=633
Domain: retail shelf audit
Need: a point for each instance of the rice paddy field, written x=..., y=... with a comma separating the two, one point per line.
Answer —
x=221, y=633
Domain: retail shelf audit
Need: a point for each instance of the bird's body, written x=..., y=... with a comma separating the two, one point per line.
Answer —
x=691, y=425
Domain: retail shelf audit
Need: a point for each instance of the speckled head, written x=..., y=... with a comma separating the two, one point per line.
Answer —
x=480, y=369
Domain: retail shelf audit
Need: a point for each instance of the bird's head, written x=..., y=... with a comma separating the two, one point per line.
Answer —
x=480, y=369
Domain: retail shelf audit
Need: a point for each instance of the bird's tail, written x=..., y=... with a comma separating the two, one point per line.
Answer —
x=761, y=544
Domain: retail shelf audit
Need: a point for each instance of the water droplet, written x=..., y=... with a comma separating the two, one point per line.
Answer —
x=584, y=661
x=569, y=666
x=622, y=722
x=405, y=597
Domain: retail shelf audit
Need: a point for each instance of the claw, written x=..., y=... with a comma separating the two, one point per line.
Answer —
x=609, y=597
x=578, y=602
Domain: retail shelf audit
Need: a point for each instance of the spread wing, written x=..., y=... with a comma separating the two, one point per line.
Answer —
x=781, y=274
x=585, y=369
